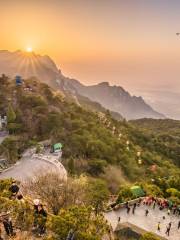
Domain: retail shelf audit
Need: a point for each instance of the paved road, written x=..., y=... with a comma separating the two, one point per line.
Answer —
x=148, y=223
x=32, y=166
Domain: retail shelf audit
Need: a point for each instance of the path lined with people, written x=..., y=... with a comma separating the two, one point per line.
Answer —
x=149, y=218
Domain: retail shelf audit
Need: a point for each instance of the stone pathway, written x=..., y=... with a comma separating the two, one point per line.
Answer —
x=148, y=223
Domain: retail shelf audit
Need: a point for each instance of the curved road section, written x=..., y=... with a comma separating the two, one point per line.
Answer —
x=31, y=165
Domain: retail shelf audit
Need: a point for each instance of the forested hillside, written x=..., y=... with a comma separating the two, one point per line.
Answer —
x=92, y=141
x=102, y=155
x=163, y=135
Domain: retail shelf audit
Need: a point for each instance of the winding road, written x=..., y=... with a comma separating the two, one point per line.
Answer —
x=32, y=165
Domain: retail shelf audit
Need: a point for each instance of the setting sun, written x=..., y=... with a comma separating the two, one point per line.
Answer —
x=29, y=49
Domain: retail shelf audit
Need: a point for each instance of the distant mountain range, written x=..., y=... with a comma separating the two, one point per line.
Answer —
x=117, y=99
x=114, y=98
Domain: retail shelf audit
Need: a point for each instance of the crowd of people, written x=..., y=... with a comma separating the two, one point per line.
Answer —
x=161, y=204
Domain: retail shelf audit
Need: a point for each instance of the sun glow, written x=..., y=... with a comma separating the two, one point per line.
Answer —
x=29, y=49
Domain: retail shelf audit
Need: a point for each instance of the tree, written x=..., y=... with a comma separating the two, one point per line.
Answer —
x=152, y=190
x=125, y=194
x=71, y=167
x=97, y=194
x=56, y=192
x=10, y=149
x=173, y=192
x=96, y=166
x=3, y=79
x=81, y=220
x=11, y=115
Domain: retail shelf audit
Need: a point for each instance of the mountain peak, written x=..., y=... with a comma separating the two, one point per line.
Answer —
x=29, y=64
x=114, y=98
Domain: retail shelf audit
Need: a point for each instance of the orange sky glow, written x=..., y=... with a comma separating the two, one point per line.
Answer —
x=129, y=43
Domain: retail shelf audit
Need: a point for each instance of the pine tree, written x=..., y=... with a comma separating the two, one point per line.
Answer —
x=11, y=115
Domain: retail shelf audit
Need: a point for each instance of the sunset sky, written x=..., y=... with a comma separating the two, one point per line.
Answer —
x=131, y=43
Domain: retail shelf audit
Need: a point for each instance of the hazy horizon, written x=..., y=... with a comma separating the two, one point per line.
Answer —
x=131, y=43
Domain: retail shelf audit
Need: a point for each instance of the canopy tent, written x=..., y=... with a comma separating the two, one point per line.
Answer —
x=57, y=147
x=170, y=203
x=137, y=191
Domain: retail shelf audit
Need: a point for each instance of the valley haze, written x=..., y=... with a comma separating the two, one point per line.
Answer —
x=113, y=98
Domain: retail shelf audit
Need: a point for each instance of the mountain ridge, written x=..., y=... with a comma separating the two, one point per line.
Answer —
x=117, y=99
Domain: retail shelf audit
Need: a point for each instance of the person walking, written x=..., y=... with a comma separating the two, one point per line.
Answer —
x=128, y=209
x=170, y=224
x=146, y=212
x=134, y=208
x=119, y=219
x=168, y=228
x=159, y=226
x=36, y=203
x=8, y=225
x=179, y=224
x=42, y=218
x=169, y=211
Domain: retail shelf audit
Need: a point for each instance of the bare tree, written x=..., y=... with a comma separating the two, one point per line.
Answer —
x=55, y=192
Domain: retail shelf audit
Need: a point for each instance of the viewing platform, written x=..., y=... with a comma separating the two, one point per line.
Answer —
x=144, y=223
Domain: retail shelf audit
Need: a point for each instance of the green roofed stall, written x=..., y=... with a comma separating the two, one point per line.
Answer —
x=170, y=203
x=57, y=147
x=137, y=191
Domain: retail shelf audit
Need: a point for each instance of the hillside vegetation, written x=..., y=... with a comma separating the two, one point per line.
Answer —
x=102, y=155
x=164, y=136
x=92, y=141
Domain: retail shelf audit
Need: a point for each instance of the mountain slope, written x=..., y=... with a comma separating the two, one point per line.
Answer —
x=91, y=140
x=29, y=65
x=114, y=98
x=164, y=135
x=117, y=99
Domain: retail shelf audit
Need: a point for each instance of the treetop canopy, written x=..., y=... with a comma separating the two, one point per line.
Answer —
x=137, y=191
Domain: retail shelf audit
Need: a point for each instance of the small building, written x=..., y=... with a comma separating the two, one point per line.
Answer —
x=57, y=147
